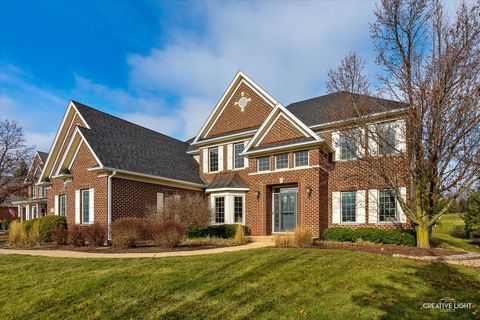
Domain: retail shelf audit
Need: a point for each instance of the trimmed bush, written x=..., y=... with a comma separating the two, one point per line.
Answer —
x=127, y=232
x=77, y=236
x=166, y=233
x=48, y=225
x=339, y=234
x=95, y=235
x=342, y=234
x=225, y=231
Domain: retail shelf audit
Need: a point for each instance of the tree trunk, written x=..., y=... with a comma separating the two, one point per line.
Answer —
x=422, y=236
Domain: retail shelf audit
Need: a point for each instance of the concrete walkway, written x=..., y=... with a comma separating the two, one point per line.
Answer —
x=78, y=254
x=470, y=259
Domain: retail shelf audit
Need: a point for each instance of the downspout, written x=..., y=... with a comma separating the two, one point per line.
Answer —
x=109, y=209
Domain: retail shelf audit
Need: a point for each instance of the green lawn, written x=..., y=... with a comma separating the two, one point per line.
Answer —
x=264, y=283
x=448, y=234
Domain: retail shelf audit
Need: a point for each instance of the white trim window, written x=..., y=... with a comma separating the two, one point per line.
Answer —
x=85, y=206
x=281, y=161
x=348, y=206
x=348, y=146
x=34, y=191
x=301, y=158
x=42, y=192
x=263, y=164
x=238, y=209
x=387, y=138
x=219, y=209
x=213, y=159
x=387, y=206
x=62, y=205
x=238, y=160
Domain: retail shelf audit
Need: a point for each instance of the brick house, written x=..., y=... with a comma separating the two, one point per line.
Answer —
x=35, y=204
x=270, y=167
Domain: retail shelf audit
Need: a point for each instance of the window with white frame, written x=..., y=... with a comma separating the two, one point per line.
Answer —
x=85, y=206
x=301, y=158
x=348, y=147
x=238, y=209
x=42, y=192
x=219, y=209
x=387, y=206
x=348, y=206
x=387, y=138
x=281, y=161
x=34, y=191
x=238, y=160
x=264, y=164
x=213, y=159
x=62, y=205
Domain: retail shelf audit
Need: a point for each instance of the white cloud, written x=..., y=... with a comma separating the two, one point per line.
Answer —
x=42, y=141
x=168, y=125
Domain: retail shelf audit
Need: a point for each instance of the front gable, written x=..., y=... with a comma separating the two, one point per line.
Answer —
x=243, y=106
x=279, y=127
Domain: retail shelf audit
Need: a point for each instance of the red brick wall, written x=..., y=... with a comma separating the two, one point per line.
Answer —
x=282, y=130
x=233, y=119
x=82, y=179
x=135, y=198
x=77, y=121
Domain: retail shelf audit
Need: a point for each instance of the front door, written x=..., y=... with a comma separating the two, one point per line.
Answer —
x=284, y=209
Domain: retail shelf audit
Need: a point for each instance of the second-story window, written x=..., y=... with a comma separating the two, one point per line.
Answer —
x=34, y=191
x=348, y=147
x=238, y=161
x=213, y=159
x=42, y=192
x=387, y=138
x=264, y=164
x=281, y=161
x=301, y=158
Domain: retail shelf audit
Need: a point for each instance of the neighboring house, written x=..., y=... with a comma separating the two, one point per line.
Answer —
x=101, y=167
x=271, y=167
x=35, y=204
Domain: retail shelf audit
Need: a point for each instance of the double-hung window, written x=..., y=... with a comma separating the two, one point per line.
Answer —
x=62, y=199
x=42, y=192
x=348, y=147
x=264, y=164
x=238, y=160
x=219, y=209
x=85, y=207
x=387, y=206
x=281, y=161
x=238, y=209
x=348, y=206
x=213, y=159
x=387, y=138
x=301, y=158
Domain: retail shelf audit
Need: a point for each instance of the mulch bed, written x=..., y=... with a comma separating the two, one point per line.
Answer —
x=111, y=249
x=387, y=249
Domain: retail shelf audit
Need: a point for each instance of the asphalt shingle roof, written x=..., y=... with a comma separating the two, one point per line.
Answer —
x=327, y=108
x=123, y=145
x=43, y=156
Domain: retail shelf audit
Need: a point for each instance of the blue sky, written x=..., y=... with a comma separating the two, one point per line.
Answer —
x=164, y=65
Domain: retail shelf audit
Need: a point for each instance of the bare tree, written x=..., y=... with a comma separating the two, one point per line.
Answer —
x=14, y=155
x=432, y=65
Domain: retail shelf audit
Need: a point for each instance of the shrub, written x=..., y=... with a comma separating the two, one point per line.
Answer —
x=48, y=225
x=32, y=231
x=240, y=237
x=303, y=238
x=95, y=235
x=225, y=231
x=60, y=236
x=471, y=216
x=189, y=210
x=5, y=224
x=127, y=232
x=77, y=236
x=166, y=233
x=286, y=240
x=338, y=234
x=342, y=234
x=210, y=241
x=17, y=234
